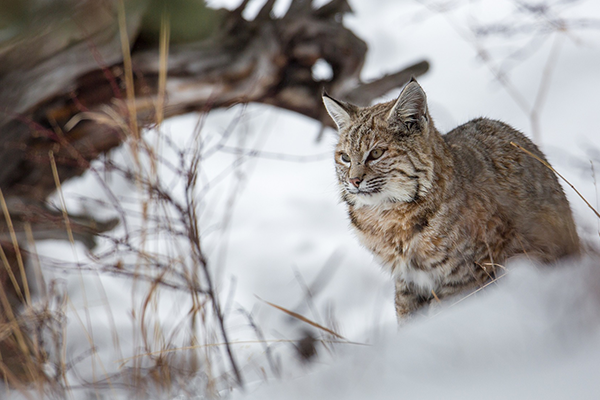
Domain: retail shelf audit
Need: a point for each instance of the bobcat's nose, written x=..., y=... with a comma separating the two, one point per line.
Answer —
x=355, y=181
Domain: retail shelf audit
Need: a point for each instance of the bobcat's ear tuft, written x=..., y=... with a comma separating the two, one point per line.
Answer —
x=340, y=111
x=411, y=106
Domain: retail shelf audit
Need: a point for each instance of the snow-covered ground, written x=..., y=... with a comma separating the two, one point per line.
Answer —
x=271, y=228
x=534, y=336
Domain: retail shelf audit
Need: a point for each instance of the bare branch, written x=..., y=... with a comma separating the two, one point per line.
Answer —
x=299, y=8
x=240, y=9
x=365, y=93
x=333, y=8
x=265, y=11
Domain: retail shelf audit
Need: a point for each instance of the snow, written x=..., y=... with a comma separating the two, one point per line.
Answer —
x=533, y=336
x=274, y=227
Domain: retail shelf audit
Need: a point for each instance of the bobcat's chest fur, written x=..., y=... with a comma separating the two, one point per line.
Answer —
x=406, y=243
x=403, y=245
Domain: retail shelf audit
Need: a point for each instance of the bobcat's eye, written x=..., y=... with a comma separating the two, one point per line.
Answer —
x=375, y=154
x=345, y=157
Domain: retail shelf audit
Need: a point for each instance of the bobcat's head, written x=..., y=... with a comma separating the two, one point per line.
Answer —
x=384, y=155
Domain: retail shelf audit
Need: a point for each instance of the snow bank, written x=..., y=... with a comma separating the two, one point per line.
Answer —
x=535, y=335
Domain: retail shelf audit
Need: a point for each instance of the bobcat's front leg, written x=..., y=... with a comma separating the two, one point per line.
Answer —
x=407, y=301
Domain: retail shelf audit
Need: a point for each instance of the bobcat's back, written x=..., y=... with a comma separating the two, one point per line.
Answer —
x=526, y=191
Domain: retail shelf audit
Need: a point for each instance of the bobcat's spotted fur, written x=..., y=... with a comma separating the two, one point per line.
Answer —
x=443, y=211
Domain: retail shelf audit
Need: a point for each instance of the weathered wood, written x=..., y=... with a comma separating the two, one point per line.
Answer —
x=266, y=60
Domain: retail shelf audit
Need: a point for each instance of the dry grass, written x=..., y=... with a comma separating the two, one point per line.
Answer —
x=156, y=254
x=547, y=165
x=179, y=266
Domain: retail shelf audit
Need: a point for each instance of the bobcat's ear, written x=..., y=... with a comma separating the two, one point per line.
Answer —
x=340, y=111
x=411, y=106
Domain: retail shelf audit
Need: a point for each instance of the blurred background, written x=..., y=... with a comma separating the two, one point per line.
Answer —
x=171, y=221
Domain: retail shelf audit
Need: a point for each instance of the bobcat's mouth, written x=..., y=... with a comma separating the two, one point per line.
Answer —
x=378, y=194
x=364, y=192
x=368, y=197
x=368, y=187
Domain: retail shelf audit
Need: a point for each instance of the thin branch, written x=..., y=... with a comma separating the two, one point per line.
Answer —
x=266, y=10
x=298, y=8
x=365, y=93
x=547, y=165
x=303, y=319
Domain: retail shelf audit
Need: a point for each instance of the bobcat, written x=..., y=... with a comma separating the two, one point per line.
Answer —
x=443, y=212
